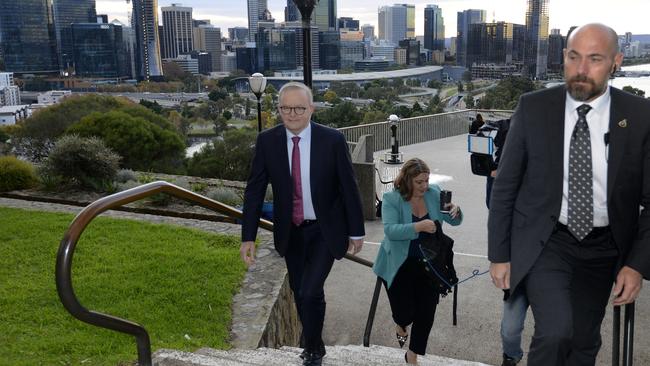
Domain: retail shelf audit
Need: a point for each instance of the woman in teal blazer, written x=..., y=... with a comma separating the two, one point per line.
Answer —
x=408, y=214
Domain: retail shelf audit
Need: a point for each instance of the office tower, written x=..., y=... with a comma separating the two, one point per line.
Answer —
x=393, y=23
x=490, y=43
x=315, y=45
x=412, y=48
x=27, y=38
x=291, y=12
x=536, y=53
x=102, y=18
x=434, y=28
x=204, y=61
x=99, y=50
x=383, y=50
x=128, y=38
x=352, y=48
x=256, y=10
x=145, y=24
x=410, y=20
x=199, y=22
x=207, y=38
x=555, y=47
x=348, y=23
x=324, y=16
x=238, y=34
x=177, y=31
x=330, y=50
x=464, y=19
x=65, y=13
x=276, y=48
x=368, y=31
x=9, y=92
x=246, y=59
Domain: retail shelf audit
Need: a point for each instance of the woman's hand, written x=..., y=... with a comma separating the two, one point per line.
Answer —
x=454, y=210
x=427, y=226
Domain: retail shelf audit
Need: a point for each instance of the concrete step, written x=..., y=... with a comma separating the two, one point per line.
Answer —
x=351, y=355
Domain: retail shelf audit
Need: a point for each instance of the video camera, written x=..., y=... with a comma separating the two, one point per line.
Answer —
x=485, y=146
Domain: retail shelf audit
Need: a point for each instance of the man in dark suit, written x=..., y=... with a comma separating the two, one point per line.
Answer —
x=570, y=211
x=317, y=213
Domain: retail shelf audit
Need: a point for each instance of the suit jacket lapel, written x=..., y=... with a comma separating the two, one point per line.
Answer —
x=555, y=128
x=281, y=143
x=314, y=153
x=617, y=136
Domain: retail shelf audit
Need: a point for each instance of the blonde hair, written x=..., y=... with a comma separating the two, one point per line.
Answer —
x=404, y=181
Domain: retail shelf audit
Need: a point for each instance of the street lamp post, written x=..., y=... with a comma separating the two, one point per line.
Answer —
x=394, y=156
x=257, y=84
x=306, y=7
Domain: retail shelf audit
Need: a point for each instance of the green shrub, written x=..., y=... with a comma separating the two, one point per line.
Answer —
x=225, y=195
x=16, y=174
x=125, y=175
x=84, y=162
x=199, y=187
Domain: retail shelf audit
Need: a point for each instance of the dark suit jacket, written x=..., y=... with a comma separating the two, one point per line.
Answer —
x=527, y=192
x=334, y=191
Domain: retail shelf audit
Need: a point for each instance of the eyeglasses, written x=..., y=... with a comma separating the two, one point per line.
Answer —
x=299, y=111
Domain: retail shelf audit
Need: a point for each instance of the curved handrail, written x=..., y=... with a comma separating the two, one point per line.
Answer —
x=63, y=270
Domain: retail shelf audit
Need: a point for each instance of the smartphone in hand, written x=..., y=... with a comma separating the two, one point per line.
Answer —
x=445, y=199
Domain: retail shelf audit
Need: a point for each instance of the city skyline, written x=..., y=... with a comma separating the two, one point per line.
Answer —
x=622, y=17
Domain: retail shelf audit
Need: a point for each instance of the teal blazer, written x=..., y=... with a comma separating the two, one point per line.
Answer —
x=399, y=230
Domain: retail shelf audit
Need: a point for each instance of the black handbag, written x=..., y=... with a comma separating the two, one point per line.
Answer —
x=438, y=260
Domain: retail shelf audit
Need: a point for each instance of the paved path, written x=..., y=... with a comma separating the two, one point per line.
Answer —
x=349, y=287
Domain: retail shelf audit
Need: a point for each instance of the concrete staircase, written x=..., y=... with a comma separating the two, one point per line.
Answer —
x=336, y=355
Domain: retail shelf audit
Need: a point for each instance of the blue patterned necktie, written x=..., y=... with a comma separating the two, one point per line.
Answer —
x=581, y=197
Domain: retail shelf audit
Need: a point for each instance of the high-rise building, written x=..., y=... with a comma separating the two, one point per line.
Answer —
x=145, y=24
x=324, y=15
x=434, y=28
x=238, y=34
x=207, y=38
x=394, y=22
x=27, y=38
x=412, y=48
x=464, y=19
x=536, y=54
x=128, y=37
x=330, y=50
x=256, y=10
x=177, y=30
x=490, y=43
x=99, y=50
x=315, y=45
x=65, y=13
x=352, y=48
x=555, y=47
x=102, y=18
x=9, y=92
x=348, y=23
x=368, y=32
x=291, y=12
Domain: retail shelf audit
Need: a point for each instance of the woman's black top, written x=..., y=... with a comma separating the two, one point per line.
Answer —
x=414, y=249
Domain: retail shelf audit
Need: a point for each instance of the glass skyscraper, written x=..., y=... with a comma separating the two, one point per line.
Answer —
x=536, y=55
x=434, y=28
x=65, y=13
x=464, y=19
x=145, y=23
x=27, y=40
x=99, y=50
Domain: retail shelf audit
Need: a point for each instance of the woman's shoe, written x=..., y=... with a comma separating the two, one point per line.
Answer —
x=401, y=339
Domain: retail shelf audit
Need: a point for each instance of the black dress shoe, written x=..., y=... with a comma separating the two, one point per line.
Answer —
x=509, y=361
x=312, y=359
x=321, y=350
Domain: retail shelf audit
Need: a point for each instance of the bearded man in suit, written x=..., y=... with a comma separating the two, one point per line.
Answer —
x=317, y=213
x=569, y=210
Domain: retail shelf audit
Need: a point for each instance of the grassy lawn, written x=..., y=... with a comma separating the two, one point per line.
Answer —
x=178, y=283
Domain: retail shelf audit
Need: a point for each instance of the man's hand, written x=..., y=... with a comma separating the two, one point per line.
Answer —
x=247, y=252
x=500, y=273
x=627, y=287
x=355, y=245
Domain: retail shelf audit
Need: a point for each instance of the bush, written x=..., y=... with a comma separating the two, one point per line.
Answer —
x=229, y=158
x=125, y=175
x=225, y=195
x=16, y=174
x=85, y=162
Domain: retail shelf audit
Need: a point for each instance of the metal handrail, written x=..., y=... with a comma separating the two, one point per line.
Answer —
x=68, y=244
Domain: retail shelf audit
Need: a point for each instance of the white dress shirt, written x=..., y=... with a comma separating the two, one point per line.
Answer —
x=305, y=152
x=598, y=121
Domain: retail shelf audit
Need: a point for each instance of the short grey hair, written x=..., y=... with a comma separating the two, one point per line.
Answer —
x=294, y=85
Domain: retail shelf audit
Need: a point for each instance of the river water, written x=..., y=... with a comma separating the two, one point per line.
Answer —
x=642, y=83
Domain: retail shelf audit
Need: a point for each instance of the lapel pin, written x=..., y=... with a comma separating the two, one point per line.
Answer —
x=622, y=123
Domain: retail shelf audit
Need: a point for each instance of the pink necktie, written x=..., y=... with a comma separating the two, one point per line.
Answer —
x=298, y=214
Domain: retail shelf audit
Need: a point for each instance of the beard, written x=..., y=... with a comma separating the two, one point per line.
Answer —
x=585, y=91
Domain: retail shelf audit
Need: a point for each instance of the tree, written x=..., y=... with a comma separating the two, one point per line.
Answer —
x=417, y=109
x=181, y=124
x=267, y=102
x=154, y=106
x=373, y=116
x=469, y=101
x=227, y=115
x=173, y=72
x=467, y=76
x=330, y=96
x=460, y=86
x=341, y=115
x=229, y=158
x=434, y=84
x=142, y=144
x=633, y=90
x=506, y=94
x=247, y=107
x=217, y=94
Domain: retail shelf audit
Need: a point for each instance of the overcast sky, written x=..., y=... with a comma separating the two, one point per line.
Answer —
x=622, y=15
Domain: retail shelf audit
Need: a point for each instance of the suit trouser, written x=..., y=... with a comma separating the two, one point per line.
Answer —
x=413, y=300
x=309, y=262
x=568, y=289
